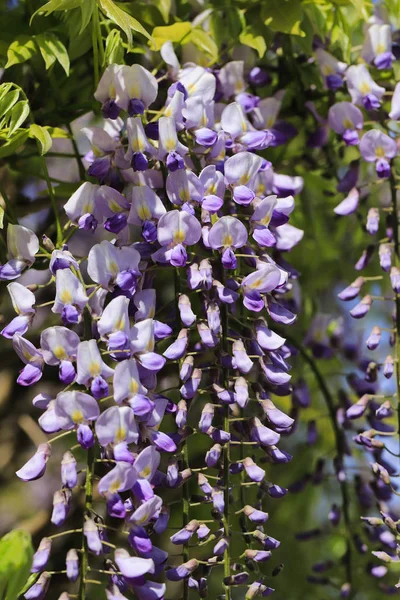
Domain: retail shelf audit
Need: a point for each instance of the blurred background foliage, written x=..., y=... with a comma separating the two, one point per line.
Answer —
x=51, y=54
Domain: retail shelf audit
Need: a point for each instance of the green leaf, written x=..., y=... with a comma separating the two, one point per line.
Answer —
x=87, y=8
x=172, y=33
x=225, y=26
x=47, y=55
x=8, y=101
x=257, y=42
x=52, y=49
x=204, y=42
x=283, y=15
x=16, y=554
x=57, y=132
x=1, y=217
x=57, y=5
x=164, y=6
x=122, y=19
x=21, y=50
x=42, y=136
x=114, y=50
x=19, y=114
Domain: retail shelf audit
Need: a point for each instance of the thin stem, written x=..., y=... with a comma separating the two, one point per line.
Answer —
x=52, y=198
x=88, y=507
x=184, y=450
x=339, y=441
x=226, y=451
x=397, y=299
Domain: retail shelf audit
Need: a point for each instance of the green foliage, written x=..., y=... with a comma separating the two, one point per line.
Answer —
x=178, y=32
x=122, y=19
x=16, y=554
x=42, y=136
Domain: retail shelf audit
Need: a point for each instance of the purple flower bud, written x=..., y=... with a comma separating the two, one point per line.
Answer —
x=115, y=505
x=69, y=475
x=220, y=547
x=36, y=466
x=384, y=60
x=350, y=137
x=258, y=77
x=255, y=515
x=39, y=589
x=135, y=107
x=70, y=315
x=149, y=231
x=204, y=485
x=395, y=279
x=207, y=415
x=334, y=82
x=383, y=168
x=352, y=290
x=140, y=541
x=85, y=436
x=174, y=162
x=370, y=102
x=253, y=471
x=372, y=221
x=87, y=222
x=41, y=556
x=61, y=506
x=110, y=109
x=139, y=161
x=72, y=565
x=362, y=308
x=262, y=434
x=388, y=367
x=66, y=372
x=205, y=136
x=182, y=571
x=151, y=129
x=374, y=338
x=237, y=579
x=258, y=555
x=116, y=223
x=276, y=491
x=93, y=540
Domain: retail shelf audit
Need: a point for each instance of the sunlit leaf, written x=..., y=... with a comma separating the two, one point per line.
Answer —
x=52, y=49
x=202, y=40
x=19, y=114
x=21, y=50
x=178, y=32
x=8, y=101
x=42, y=136
x=114, y=50
x=57, y=5
x=16, y=554
x=257, y=42
x=122, y=19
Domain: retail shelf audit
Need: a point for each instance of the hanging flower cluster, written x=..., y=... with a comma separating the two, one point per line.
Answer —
x=181, y=191
x=371, y=187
